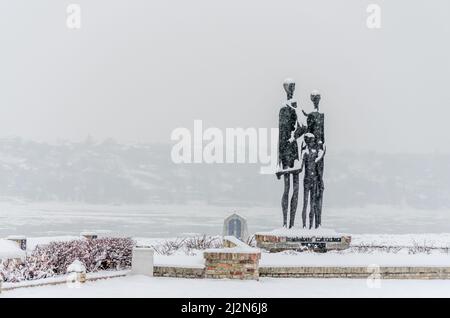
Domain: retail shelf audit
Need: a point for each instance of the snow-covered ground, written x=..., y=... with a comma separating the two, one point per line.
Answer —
x=140, y=286
x=53, y=219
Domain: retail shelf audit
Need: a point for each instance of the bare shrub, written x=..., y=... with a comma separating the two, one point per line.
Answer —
x=370, y=248
x=188, y=245
x=420, y=248
x=203, y=242
x=168, y=247
x=416, y=248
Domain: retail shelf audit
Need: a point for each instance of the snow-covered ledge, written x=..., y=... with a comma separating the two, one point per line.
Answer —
x=232, y=241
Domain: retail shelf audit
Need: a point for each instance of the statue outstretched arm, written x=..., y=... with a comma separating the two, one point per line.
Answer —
x=301, y=130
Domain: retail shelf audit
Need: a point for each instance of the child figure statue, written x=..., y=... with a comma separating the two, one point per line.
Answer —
x=315, y=125
x=312, y=182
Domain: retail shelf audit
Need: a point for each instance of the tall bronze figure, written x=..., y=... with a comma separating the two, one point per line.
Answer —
x=288, y=154
x=310, y=158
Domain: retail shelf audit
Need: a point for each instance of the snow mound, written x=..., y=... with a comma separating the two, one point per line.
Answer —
x=76, y=267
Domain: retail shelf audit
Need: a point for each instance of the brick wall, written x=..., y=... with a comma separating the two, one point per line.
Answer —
x=385, y=272
x=232, y=264
x=180, y=272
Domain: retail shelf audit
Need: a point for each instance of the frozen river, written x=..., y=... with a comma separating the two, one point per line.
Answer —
x=49, y=219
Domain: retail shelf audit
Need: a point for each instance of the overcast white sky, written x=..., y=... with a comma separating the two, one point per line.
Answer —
x=138, y=69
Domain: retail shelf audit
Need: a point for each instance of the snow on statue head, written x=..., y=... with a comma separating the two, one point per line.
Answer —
x=315, y=98
x=289, y=87
x=309, y=138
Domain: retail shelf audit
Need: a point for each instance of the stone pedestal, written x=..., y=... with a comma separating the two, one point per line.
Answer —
x=79, y=277
x=76, y=272
x=142, y=261
x=320, y=240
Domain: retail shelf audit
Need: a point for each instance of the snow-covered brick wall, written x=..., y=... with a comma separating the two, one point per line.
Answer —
x=232, y=263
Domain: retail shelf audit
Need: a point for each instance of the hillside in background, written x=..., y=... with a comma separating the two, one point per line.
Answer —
x=113, y=173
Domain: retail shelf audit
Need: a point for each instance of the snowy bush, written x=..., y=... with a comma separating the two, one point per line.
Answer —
x=203, y=242
x=54, y=258
x=415, y=248
x=372, y=248
x=418, y=248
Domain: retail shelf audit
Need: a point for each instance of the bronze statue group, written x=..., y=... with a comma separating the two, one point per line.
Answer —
x=309, y=157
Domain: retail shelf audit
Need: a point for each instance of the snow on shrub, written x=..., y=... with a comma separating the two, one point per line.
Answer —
x=54, y=258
